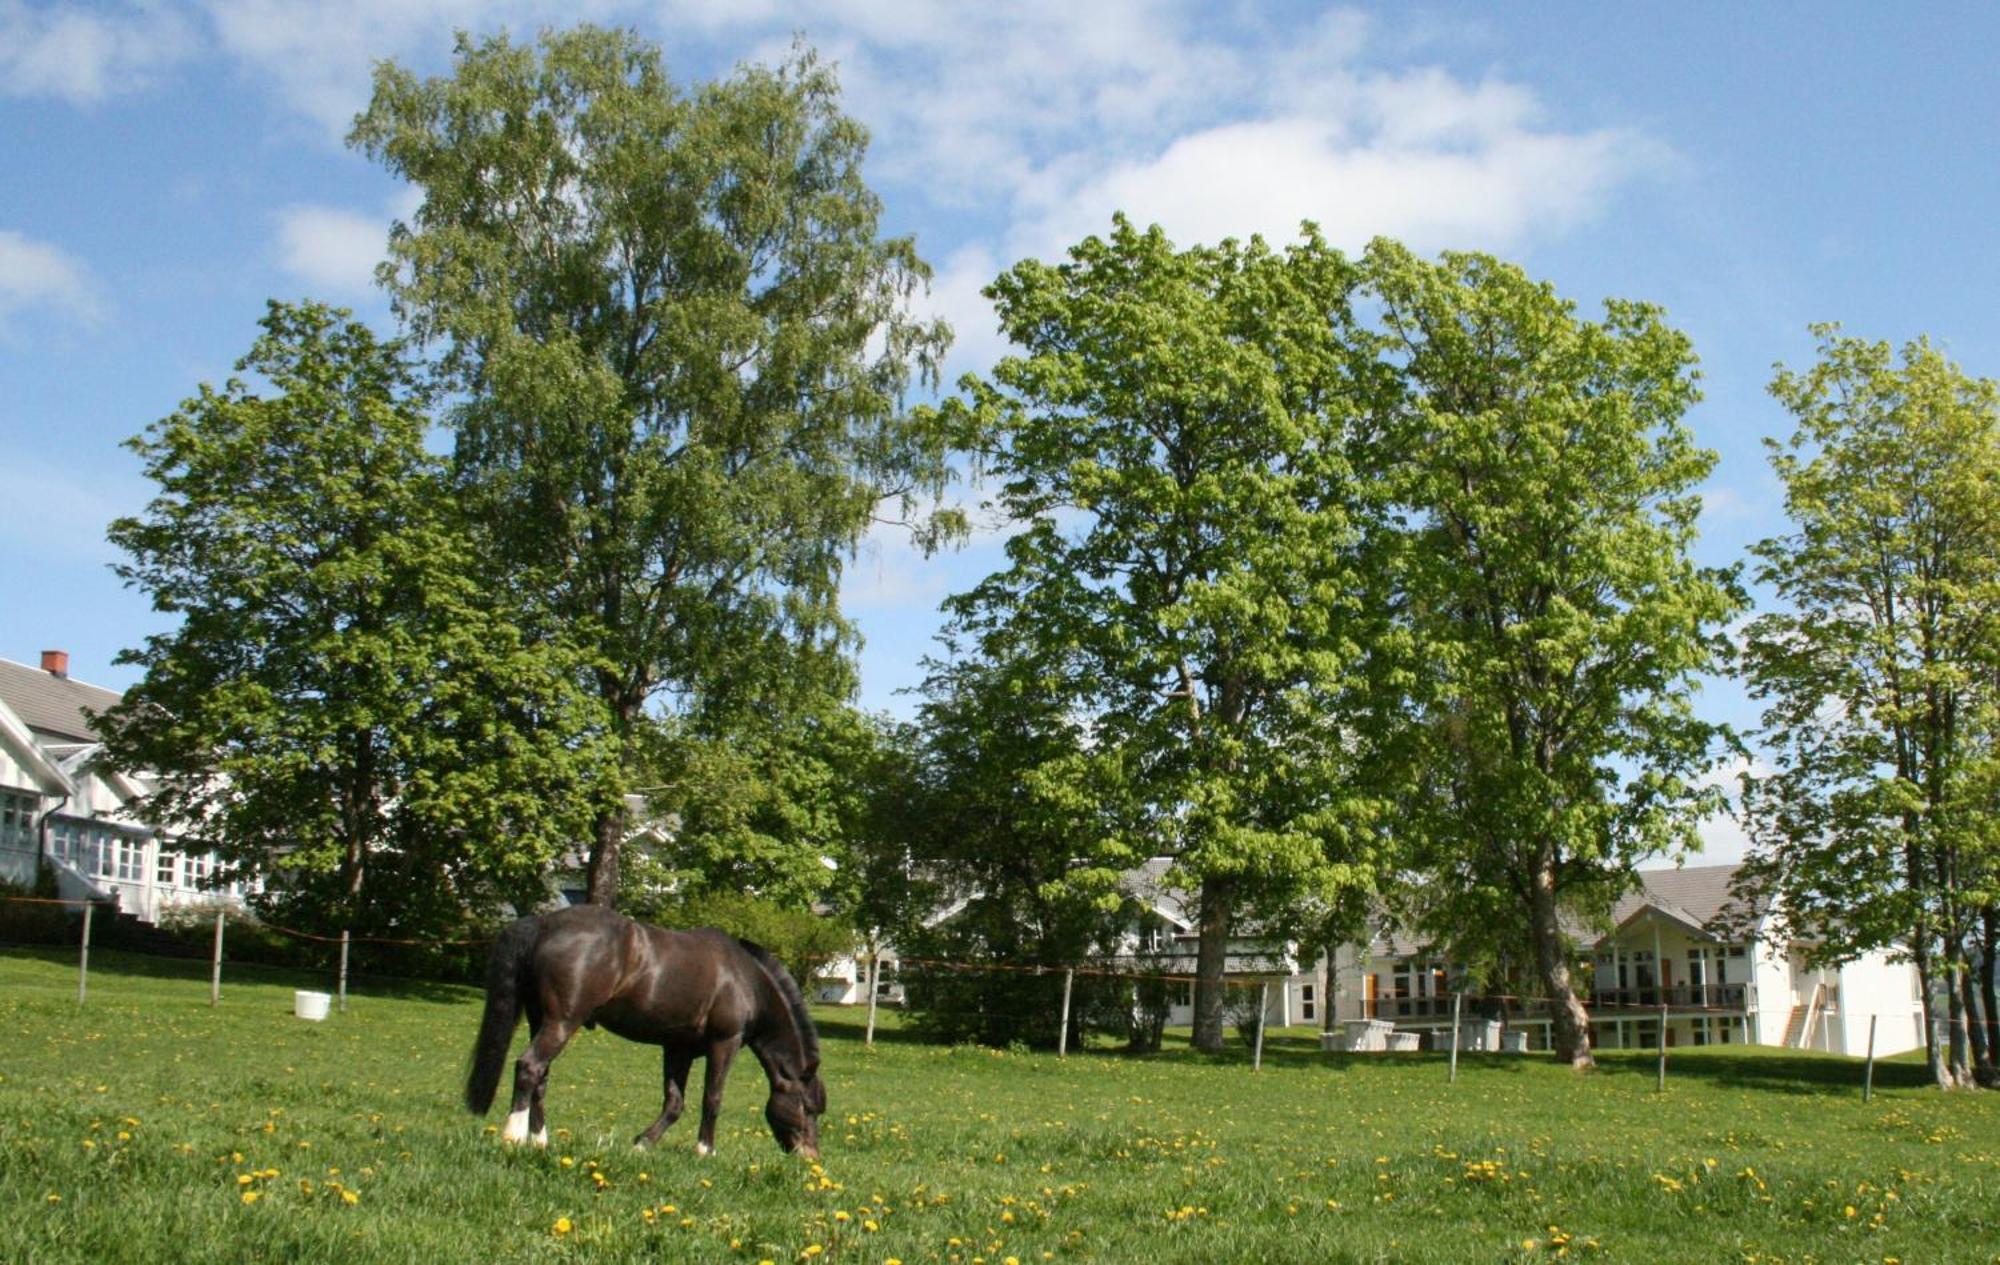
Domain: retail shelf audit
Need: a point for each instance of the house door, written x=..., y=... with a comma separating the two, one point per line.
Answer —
x=1370, y=989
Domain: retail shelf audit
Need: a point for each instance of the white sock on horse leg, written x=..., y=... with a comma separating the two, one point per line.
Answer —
x=541, y=1137
x=517, y=1127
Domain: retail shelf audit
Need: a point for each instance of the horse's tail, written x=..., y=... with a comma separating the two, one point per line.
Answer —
x=504, y=979
x=795, y=1002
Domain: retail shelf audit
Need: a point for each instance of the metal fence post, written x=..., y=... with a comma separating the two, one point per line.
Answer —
x=83, y=957
x=343, y=972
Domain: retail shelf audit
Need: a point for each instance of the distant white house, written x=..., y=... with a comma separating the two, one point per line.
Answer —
x=58, y=802
x=1681, y=942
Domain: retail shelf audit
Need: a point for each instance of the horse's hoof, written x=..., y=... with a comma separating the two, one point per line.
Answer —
x=541, y=1138
x=703, y=1148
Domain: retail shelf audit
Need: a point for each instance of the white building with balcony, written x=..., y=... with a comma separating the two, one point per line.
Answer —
x=60, y=805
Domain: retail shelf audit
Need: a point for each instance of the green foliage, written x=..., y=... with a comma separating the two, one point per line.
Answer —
x=680, y=345
x=342, y=710
x=785, y=807
x=1876, y=826
x=1013, y=836
x=1174, y=444
x=802, y=939
x=1553, y=623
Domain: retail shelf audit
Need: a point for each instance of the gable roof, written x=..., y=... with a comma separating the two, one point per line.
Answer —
x=52, y=706
x=1701, y=897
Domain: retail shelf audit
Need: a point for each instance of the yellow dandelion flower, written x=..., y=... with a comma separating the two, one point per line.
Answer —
x=54, y=1198
x=562, y=1226
x=349, y=1197
x=249, y=1196
x=812, y=1250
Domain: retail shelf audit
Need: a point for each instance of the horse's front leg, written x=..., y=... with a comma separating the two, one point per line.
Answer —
x=719, y=1055
x=677, y=1063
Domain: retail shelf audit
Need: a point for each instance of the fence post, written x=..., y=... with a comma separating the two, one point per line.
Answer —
x=1661, y=1086
x=343, y=972
x=1263, y=1003
x=1868, y=1078
x=1062, y=1037
x=874, y=972
x=83, y=957
x=215, y=965
x=1457, y=999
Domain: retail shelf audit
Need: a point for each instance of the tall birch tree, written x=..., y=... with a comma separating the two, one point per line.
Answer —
x=679, y=342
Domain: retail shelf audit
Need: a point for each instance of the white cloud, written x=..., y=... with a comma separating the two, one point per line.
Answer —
x=331, y=248
x=36, y=275
x=77, y=56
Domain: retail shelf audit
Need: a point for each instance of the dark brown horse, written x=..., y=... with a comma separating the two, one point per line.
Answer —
x=696, y=994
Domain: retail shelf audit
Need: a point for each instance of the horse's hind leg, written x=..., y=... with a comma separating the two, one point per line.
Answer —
x=719, y=1055
x=677, y=1065
x=531, y=1080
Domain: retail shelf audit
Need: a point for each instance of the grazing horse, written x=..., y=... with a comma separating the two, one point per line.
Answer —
x=695, y=994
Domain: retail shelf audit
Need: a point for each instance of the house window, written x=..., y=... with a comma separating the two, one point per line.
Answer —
x=167, y=871
x=1180, y=993
x=1306, y=1001
x=17, y=821
x=130, y=853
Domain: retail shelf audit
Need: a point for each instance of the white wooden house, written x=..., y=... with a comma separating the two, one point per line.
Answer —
x=59, y=804
x=1682, y=942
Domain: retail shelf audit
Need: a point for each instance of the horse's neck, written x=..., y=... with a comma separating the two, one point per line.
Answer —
x=777, y=1041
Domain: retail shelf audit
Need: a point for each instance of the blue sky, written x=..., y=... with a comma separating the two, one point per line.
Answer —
x=1751, y=168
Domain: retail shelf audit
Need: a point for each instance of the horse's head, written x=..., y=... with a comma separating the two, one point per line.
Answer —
x=793, y=1112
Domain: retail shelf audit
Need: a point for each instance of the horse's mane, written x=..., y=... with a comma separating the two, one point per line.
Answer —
x=795, y=1001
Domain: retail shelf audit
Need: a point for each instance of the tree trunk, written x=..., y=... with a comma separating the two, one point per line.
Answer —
x=1934, y=1060
x=1989, y=958
x=1211, y=959
x=1569, y=1029
x=1329, y=1020
x=605, y=847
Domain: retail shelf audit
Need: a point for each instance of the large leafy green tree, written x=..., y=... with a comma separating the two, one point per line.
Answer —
x=1176, y=434
x=1877, y=826
x=1014, y=845
x=1555, y=621
x=341, y=711
x=679, y=341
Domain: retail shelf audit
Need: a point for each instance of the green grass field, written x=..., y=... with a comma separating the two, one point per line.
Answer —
x=149, y=1127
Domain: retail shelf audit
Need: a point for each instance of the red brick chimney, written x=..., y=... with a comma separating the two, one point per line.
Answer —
x=55, y=662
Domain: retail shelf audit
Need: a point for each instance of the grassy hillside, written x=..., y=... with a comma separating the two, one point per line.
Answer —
x=149, y=1127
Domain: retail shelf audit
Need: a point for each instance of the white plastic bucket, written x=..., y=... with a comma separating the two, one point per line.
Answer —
x=308, y=1005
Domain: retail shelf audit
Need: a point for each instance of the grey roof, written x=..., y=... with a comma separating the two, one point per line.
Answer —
x=1147, y=883
x=51, y=706
x=1699, y=895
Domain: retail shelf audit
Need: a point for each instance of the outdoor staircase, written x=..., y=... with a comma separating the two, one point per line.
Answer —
x=117, y=929
x=1795, y=1027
